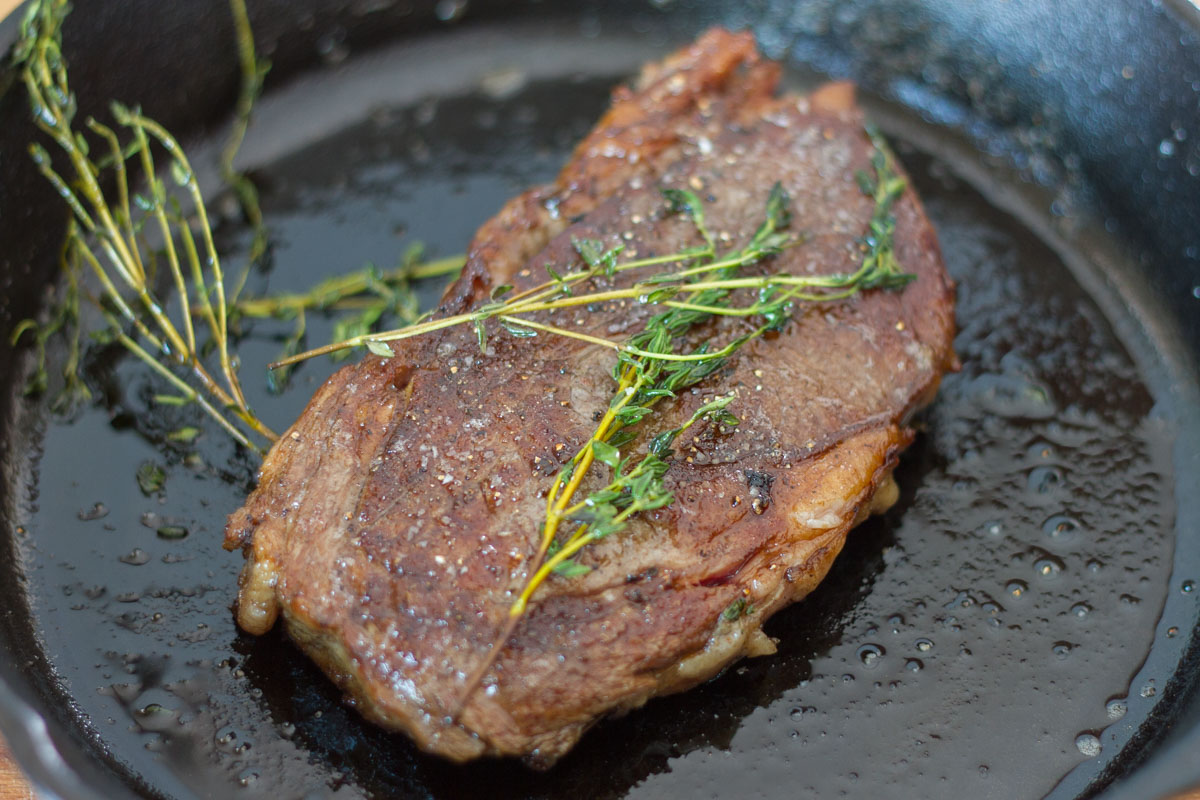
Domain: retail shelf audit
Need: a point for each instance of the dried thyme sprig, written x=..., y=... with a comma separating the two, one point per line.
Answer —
x=109, y=236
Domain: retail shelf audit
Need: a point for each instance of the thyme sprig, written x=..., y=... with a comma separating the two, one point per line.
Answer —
x=108, y=232
x=64, y=320
x=634, y=488
x=649, y=368
x=879, y=269
x=885, y=187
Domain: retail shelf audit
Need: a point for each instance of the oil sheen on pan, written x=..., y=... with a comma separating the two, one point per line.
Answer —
x=982, y=634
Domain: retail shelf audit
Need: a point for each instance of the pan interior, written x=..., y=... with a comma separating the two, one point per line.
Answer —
x=986, y=637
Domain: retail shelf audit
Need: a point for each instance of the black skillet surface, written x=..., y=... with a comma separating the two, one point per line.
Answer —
x=1095, y=112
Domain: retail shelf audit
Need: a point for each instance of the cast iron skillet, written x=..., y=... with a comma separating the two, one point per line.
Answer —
x=1095, y=87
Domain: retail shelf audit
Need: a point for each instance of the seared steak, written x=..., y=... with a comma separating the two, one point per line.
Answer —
x=393, y=522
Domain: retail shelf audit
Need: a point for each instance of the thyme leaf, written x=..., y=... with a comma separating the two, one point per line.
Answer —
x=594, y=254
x=380, y=349
x=150, y=478
x=736, y=610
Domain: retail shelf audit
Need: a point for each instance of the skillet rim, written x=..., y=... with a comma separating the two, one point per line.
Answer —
x=51, y=755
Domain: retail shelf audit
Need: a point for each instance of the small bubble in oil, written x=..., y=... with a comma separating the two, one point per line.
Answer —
x=1043, y=480
x=992, y=528
x=1088, y=744
x=1116, y=708
x=1060, y=527
x=332, y=48
x=135, y=557
x=248, y=777
x=1129, y=600
x=1188, y=587
x=1172, y=632
x=1016, y=588
x=1061, y=650
x=914, y=664
x=450, y=10
x=1048, y=566
x=1081, y=610
x=97, y=511
x=156, y=717
x=924, y=645
x=869, y=654
x=1149, y=690
x=1040, y=451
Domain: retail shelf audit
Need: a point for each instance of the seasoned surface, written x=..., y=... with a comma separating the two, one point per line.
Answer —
x=392, y=521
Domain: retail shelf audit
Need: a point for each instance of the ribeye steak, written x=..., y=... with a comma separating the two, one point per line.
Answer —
x=394, y=520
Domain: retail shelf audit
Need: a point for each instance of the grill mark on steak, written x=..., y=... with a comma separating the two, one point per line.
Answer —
x=392, y=522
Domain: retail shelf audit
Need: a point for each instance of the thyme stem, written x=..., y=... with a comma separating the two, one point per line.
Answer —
x=335, y=292
x=254, y=72
x=107, y=236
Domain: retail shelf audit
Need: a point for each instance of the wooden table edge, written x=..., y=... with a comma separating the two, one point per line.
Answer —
x=13, y=785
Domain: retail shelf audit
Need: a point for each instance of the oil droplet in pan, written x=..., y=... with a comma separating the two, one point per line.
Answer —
x=1088, y=744
x=870, y=654
x=1116, y=708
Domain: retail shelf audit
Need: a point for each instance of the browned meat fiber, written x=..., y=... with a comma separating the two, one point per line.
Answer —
x=393, y=523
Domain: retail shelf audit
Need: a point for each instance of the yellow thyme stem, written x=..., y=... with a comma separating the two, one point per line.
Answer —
x=342, y=288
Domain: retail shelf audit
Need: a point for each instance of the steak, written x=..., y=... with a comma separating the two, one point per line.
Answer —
x=393, y=523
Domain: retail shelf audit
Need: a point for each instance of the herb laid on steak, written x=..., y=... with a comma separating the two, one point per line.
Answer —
x=399, y=519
